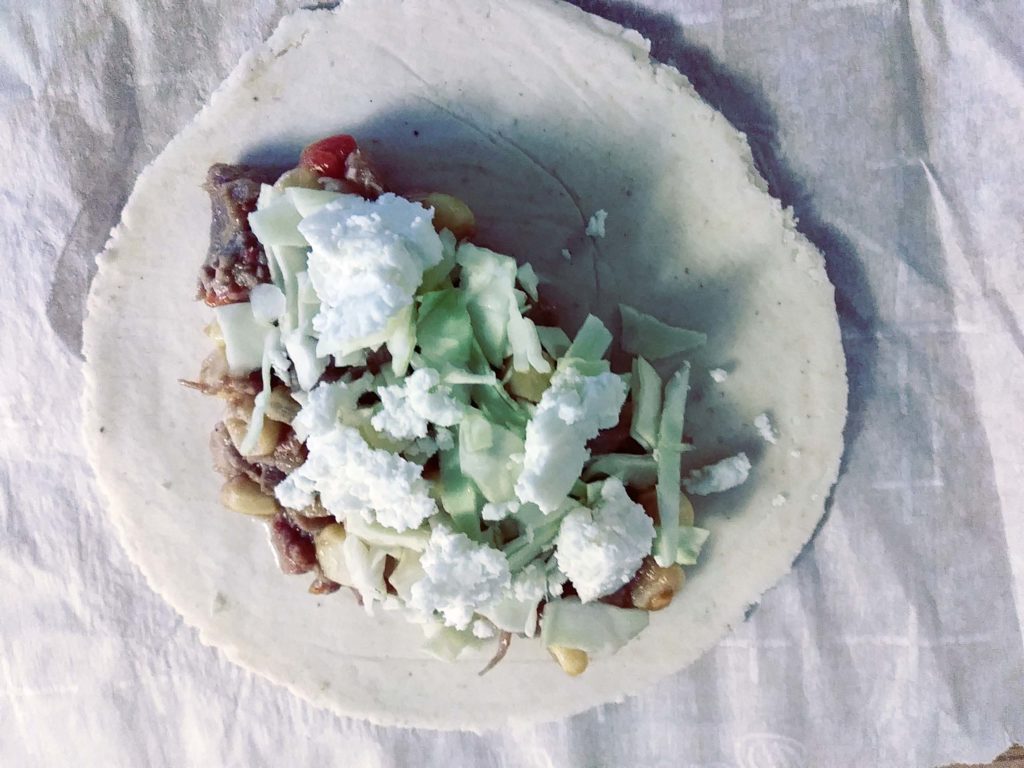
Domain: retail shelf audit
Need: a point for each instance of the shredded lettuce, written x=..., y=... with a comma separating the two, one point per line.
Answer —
x=271, y=343
x=525, y=343
x=444, y=330
x=591, y=342
x=243, y=336
x=631, y=469
x=646, y=386
x=455, y=376
x=434, y=277
x=691, y=540
x=448, y=643
x=670, y=440
x=499, y=408
x=406, y=573
x=377, y=535
x=488, y=278
x=529, y=280
x=402, y=342
x=540, y=532
x=309, y=201
x=648, y=336
x=459, y=495
x=554, y=340
x=277, y=224
x=301, y=351
x=591, y=627
x=485, y=456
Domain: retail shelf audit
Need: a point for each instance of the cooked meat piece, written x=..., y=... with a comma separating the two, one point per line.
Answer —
x=269, y=477
x=236, y=261
x=322, y=585
x=230, y=463
x=311, y=525
x=226, y=458
x=294, y=548
x=290, y=453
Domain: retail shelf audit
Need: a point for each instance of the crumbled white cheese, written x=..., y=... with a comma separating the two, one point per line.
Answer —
x=444, y=438
x=556, y=583
x=572, y=410
x=566, y=254
x=599, y=550
x=766, y=429
x=779, y=500
x=531, y=583
x=718, y=375
x=268, y=302
x=366, y=259
x=461, y=576
x=407, y=408
x=325, y=404
x=495, y=511
x=595, y=227
x=726, y=474
x=421, y=449
x=354, y=479
x=483, y=629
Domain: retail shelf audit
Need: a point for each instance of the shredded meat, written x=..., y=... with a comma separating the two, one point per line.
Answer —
x=294, y=548
x=215, y=379
x=267, y=471
x=361, y=176
x=226, y=458
x=236, y=261
x=289, y=455
x=309, y=524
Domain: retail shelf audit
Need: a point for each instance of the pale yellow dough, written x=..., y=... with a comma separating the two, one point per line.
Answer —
x=538, y=115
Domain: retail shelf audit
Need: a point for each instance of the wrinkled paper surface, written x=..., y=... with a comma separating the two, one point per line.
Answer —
x=893, y=128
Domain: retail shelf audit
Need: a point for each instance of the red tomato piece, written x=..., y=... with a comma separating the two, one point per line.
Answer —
x=327, y=157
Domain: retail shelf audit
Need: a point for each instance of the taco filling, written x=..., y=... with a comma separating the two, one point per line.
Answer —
x=406, y=414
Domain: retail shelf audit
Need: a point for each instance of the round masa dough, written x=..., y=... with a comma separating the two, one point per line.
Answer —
x=538, y=115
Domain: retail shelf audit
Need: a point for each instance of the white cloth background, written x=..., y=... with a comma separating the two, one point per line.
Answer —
x=894, y=130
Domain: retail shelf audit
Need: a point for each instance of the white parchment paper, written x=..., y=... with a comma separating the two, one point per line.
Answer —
x=893, y=128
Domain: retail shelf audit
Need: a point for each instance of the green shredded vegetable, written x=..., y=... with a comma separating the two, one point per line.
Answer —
x=591, y=342
x=691, y=540
x=648, y=336
x=459, y=495
x=631, y=469
x=591, y=627
x=646, y=386
x=543, y=529
x=554, y=340
x=484, y=452
x=444, y=330
x=670, y=438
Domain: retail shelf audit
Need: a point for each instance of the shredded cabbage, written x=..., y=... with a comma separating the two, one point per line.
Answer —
x=591, y=627
x=670, y=440
x=646, y=386
x=648, y=336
